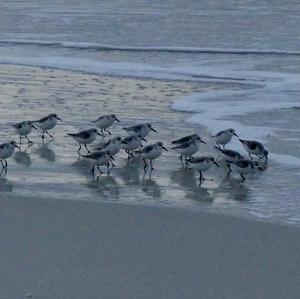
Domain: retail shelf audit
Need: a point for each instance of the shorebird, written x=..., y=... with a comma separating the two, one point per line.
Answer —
x=23, y=129
x=104, y=122
x=202, y=164
x=185, y=139
x=99, y=159
x=254, y=148
x=141, y=129
x=46, y=123
x=229, y=155
x=224, y=137
x=151, y=152
x=85, y=137
x=132, y=143
x=113, y=146
x=189, y=148
x=6, y=151
x=244, y=167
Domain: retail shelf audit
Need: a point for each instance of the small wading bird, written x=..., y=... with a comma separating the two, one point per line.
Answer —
x=104, y=122
x=6, y=151
x=85, y=137
x=132, y=143
x=142, y=129
x=244, y=167
x=23, y=129
x=151, y=152
x=113, y=146
x=229, y=155
x=188, y=148
x=224, y=137
x=254, y=148
x=201, y=164
x=99, y=159
x=46, y=123
x=184, y=139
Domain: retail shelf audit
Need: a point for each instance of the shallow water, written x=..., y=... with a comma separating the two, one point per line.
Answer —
x=55, y=171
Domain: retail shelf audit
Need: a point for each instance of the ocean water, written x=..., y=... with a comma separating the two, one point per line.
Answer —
x=249, y=49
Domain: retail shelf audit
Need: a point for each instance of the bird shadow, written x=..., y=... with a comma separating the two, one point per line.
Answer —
x=5, y=184
x=45, y=153
x=22, y=158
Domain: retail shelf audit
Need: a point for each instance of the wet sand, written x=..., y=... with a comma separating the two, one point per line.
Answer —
x=64, y=235
x=63, y=249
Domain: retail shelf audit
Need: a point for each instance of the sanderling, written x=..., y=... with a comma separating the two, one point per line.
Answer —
x=104, y=122
x=201, y=164
x=224, y=137
x=142, y=129
x=113, y=146
x=151, y=152
x=85, y=137
x=6, y=151
x=99, y=159
x=46, y=123
x=189, y=148
x=185, y=139
x=23, y=129
x=229, y=155
x=131, y=143
x=254, y=148
x=244, y=167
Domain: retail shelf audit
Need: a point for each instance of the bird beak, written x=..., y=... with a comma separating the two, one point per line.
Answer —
x=260, y=169
x=153, y=130
x=216, y=163
x=17, y=146
x=117, y=120
x=164, y=148
x=202, y=141
x=123, y=142
x=144, y=139
x=59, y=118
x=99, y=134
x=34, y=127
x=111, y=157
x=235, y=134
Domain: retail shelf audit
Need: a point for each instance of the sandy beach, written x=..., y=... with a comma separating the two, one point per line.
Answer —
x=63, y=249
x=64, y=235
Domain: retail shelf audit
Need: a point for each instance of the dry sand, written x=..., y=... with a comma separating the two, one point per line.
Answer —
x=63, y=249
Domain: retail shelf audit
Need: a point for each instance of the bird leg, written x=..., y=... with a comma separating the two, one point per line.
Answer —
x=145, y=165
x=243, y=178
x=29, y=141
x=151, y=165
x=107, y=131
x=49, y=134
x=103, y=135
x=79, y=149
x=86, y=148
x=250, y=156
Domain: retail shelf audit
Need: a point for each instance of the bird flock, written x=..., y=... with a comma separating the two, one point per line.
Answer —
x=103, y=153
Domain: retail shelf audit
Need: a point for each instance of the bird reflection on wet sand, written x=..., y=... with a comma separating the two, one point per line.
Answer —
x=188, y=182
x=151, y=187
x=45, y=153
x=22, y=158
x=107, y=186
x=6, y=185
x=232, y=189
